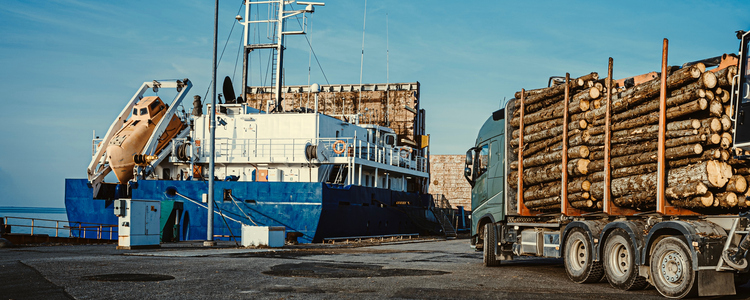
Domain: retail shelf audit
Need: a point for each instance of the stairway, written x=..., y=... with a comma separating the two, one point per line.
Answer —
x=445, y=223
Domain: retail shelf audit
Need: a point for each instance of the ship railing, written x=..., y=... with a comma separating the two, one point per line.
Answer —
x=95, y=145
x=293, y=150
x=37, y=226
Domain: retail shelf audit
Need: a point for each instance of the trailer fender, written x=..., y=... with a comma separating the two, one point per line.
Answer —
x=593, y=228
x=702, y=237
x=635, y=230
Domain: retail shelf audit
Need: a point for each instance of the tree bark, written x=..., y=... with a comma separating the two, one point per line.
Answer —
x=624, y=172
x=532, y=95
x=551, y=189
x=647, y=157
x=582, y=204
x=549, y=124
x=542, y=202
x=685, y=190
x=548, y=158
x=700, y=201
x=710, y=173
x=724, y=76
x=550, y=172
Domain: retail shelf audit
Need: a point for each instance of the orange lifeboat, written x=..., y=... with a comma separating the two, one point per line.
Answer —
x=132, y=138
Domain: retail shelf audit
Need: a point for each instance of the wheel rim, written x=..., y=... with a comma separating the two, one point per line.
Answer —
x=671, y=268
x=579, y=255
x=619, y=260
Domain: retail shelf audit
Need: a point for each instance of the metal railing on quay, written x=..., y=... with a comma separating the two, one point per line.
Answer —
x=82, y=228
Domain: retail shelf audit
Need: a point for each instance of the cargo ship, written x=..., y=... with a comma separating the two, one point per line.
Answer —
x=324, y=161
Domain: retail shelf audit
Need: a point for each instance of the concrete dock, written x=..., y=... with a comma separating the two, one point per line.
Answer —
x=422, y=269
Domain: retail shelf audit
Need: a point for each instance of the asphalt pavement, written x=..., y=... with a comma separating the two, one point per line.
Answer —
x=423, y=269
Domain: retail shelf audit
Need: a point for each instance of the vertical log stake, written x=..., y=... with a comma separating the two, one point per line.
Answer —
x=661, y=166
x=607, y=141
x=564, y=186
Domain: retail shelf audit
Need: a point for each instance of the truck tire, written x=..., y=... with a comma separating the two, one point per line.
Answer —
x=579, y=258
x=672, y=269
x=619, y=262
x=490, y=240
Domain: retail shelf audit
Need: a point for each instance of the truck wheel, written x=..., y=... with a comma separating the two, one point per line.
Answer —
x=490, y=240
x=672, y=269
x=619, y=262
x=579, y=258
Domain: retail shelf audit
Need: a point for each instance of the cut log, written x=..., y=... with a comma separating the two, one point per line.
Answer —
x=542, y=202
x=737, y=184
x=726, y=199
x=653, y=105
x=582, y=204
x=553, y=207
x=546, y=125
x=550, y=157
x=700, y=201
x=713, y=124
x=578, y=196
x=537, y=94
x=548, y=113
x=653, y=118
x=647, y=157
x=716, y=109
x=674, y=125
x=551, y=189
x=550, y=172
x=685, y=190
x=543, y=134
x=624, y=172
x=724, y=76
x=636, y=200
x=710, y=95
x=711, y=173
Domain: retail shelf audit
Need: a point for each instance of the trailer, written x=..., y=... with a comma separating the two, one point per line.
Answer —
x=670, y=243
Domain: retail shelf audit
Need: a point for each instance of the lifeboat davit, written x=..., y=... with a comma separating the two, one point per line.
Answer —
x=132, y=138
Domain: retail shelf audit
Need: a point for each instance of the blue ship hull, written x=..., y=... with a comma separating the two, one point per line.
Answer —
x=313, y=210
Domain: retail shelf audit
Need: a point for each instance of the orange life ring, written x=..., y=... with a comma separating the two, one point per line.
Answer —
x=405, y=152
x=339, y=147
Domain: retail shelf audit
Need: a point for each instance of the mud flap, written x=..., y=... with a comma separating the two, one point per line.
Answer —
x=712, y=283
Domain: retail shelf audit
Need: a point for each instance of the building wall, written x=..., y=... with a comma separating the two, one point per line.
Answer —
x=447, y=179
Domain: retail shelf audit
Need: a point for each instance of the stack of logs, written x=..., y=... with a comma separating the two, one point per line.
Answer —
x=701, y=170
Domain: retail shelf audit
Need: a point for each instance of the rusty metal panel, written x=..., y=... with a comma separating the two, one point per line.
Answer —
x=390, y=105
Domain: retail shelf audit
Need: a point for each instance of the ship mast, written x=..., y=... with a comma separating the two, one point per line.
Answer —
x=277, y=44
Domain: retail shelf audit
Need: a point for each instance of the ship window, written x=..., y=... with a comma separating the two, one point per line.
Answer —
x=135, y=111
x=144, y=111
x=154, y=105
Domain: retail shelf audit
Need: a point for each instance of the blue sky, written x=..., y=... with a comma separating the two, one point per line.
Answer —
x=68, y=67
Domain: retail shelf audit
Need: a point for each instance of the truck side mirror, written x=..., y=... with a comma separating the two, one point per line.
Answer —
x=467, y=172
x=467, y=168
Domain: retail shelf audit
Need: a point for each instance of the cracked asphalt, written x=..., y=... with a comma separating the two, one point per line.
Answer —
x=425, y=269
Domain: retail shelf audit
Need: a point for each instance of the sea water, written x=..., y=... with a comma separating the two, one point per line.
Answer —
x=19, y=219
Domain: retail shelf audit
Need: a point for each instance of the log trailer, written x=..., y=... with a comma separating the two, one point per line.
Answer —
x=672, y=219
